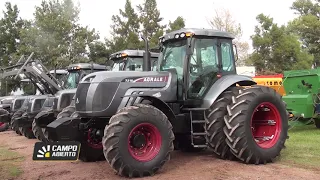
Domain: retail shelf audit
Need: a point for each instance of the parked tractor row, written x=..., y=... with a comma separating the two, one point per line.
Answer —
x=145, y=105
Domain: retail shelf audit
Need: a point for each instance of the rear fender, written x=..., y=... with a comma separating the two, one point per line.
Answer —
x=23, y=121
x=222, y=84
x=44, y=118
x=64, y=129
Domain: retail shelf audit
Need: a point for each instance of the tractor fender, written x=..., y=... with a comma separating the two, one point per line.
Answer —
x=64, y=129
x=43, y=118
x=22, y=120
x=158, y=103
x=224, y=83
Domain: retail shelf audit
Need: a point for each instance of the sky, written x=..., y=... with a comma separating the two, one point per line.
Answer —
x=97, y=13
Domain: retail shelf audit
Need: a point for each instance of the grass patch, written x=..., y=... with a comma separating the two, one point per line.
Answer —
x=10, y=163
x=302, y=147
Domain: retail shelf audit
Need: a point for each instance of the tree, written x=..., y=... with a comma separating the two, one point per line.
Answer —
x=125, y=29
x=55, y=36
x=150, y=20
x=276, y=49
x=10, y=37
x=177, y=24
x=98, y=52
x=307, y=26
x=223, y=21
x=10, y=27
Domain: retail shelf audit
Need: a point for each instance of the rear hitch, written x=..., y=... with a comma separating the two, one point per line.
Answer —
x=64, y=129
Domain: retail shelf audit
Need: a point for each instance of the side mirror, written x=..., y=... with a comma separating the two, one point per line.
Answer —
x=235, y=49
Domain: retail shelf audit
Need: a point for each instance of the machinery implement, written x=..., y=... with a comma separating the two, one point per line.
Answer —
x=191, y=102
x=302, y=96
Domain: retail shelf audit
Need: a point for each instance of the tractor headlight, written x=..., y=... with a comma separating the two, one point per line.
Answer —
x=182, y=35
x=176, y=36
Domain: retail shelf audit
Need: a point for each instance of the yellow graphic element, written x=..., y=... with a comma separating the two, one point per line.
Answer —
x=44, y=152
x=47, y=154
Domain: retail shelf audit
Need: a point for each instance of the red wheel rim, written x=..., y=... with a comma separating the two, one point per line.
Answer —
x=149, y=147
x=2, y=124
x=93, y=140
x=266, y=125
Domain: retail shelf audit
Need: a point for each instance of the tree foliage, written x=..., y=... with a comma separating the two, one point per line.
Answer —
x=275, y=49
x=176, y=24
x=307, y=26
x=56, y=36
x=150, y=21
x=223, y=21
x=125, y=29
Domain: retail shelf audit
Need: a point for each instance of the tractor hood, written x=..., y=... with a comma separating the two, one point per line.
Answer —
x=127, y=76
x=101, y=93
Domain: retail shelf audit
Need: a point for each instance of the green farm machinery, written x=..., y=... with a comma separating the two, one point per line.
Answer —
x=302, y=96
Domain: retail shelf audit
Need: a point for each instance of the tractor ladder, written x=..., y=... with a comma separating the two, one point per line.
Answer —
x=197, y=125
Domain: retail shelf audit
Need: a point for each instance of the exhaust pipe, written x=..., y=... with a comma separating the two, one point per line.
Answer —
x=146, y=55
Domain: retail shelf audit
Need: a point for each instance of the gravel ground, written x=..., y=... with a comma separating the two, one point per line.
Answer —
x=187, y=166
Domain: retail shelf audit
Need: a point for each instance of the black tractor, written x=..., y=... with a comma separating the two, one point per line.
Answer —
x=125, y=60
x=195, y=98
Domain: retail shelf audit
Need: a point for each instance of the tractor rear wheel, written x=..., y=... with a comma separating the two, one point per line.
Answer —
x=215, y=123
x=256, y=125
x=138, y=141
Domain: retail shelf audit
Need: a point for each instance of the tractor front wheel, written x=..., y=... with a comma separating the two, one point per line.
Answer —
x=3, y=126
x=256, y=125
x=38, y=132
x=27, y=132
x=138, y=141
x=13, y=123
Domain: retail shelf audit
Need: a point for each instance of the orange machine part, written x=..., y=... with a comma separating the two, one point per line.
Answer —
x=272, y=81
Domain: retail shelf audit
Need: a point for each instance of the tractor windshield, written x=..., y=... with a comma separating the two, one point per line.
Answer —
x=131, y=64
x=71, y=80
x=203, y=63
x=173, y=56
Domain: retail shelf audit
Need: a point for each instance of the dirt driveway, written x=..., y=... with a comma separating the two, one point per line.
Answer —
x=202, y=166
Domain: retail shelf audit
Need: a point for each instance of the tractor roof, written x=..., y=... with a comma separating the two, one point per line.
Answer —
x=59, y=71
x=131, y=53
x=78, y=66
x=197, y=32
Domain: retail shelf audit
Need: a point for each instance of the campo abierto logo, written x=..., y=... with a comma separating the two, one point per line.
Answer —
x=56, y=151
x=44, y=152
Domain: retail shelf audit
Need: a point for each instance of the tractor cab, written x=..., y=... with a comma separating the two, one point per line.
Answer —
x=131, y=60
x=199, y=57
x=77, y=71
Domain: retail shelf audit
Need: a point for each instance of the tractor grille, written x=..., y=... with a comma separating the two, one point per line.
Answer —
x=103, y=95
x=81, y=96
